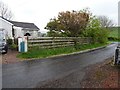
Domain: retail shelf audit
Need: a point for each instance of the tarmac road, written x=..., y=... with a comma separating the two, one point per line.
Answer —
x=31, y=74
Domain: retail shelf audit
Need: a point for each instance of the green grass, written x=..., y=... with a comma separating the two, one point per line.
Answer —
x=114, y=32
x=43, y=53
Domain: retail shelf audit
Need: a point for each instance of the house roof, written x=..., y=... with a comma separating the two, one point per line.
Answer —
x=6, y=20
x=25, y=25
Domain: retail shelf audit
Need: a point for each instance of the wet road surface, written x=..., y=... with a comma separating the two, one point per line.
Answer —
x=31, y=74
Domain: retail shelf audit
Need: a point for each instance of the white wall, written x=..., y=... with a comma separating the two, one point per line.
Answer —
x=33, y=33
x=18, y=32
x=7, y=27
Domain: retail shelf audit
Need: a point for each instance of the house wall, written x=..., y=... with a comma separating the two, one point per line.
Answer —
x=7, y=28
x=33, y=33
x=18, y=32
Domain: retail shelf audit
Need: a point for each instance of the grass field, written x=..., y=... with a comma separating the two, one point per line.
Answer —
x=114, y=32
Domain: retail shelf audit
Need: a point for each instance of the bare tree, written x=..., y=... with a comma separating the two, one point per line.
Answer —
x=5, y=12
x=105, y=21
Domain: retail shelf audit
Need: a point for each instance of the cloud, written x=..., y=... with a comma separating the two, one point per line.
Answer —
x=41, y=11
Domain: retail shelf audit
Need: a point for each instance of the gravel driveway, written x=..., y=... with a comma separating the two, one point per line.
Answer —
x=10, y=57
x=102, y=75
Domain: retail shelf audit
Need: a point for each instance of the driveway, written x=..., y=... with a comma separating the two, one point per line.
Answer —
x=10, y=57
x=34, y=73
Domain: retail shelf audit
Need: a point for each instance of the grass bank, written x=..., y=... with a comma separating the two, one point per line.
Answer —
x=114, y=34
x=43, y=53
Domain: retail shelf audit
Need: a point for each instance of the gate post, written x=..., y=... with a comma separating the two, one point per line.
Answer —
x=22, y=44
x=19, y=44
x=116, y=56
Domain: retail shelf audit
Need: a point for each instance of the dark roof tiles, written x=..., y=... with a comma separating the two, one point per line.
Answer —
x=25, y=25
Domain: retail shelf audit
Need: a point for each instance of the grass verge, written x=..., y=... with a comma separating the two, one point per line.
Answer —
x=43, y=53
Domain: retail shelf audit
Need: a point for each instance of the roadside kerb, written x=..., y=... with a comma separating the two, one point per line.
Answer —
x=74, y=53
x=79, y=52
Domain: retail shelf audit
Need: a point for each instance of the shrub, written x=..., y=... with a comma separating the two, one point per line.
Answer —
x=16, y=41
x=103, y=35
x=13, y=47
x=9, y=41
x=113, y=39
x=94, y=30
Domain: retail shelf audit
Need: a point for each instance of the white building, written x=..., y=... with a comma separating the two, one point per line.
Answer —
x=14, y=29
x=6, y=28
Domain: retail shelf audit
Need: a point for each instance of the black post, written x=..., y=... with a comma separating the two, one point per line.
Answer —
x=116, y=56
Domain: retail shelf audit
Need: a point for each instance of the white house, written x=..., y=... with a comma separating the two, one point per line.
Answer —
x=6, y=28
x=14, y=29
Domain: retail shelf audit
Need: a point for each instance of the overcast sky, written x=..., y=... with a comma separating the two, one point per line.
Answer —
x=41, y=11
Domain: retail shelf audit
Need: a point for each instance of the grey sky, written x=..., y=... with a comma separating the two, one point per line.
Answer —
x=41, y=11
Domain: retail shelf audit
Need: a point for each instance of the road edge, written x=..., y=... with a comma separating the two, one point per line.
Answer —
x=74, y=53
